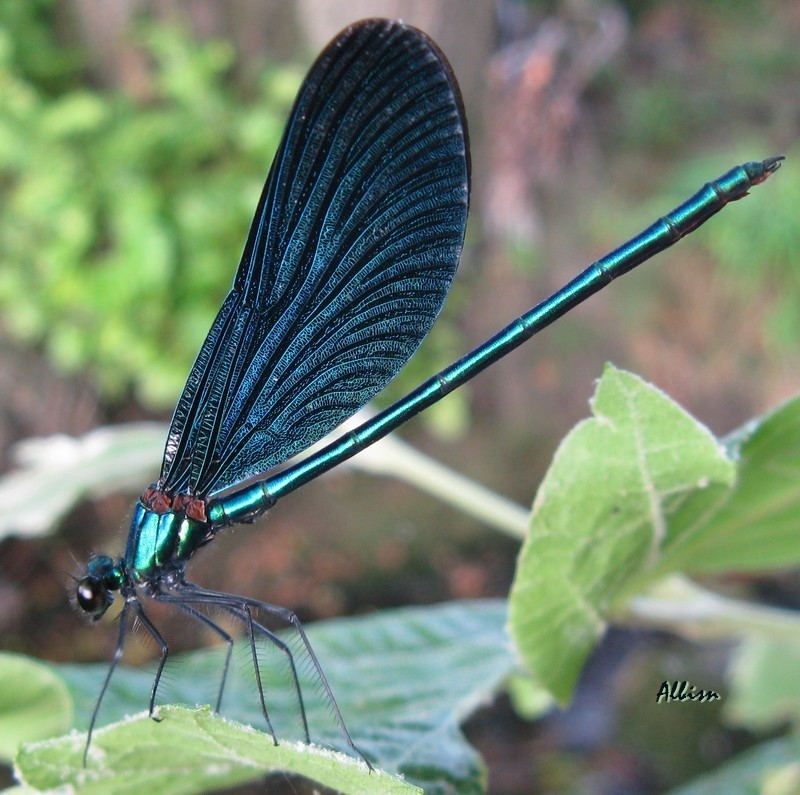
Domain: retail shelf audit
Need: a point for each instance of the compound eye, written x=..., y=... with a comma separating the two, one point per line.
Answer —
x=93, y=597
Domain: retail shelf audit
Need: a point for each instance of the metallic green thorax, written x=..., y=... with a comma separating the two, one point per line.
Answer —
x=161, y=541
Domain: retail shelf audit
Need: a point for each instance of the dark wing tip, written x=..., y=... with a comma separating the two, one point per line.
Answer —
x=385, y=27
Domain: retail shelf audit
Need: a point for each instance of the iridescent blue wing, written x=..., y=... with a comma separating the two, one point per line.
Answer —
x=349, y=258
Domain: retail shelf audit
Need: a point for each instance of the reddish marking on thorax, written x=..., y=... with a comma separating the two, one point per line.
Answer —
x=160, y=502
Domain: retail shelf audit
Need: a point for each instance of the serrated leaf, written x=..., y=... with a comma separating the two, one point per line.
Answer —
x=600, y=520
x=404, y=680
x=198, y=752
x=34, y=703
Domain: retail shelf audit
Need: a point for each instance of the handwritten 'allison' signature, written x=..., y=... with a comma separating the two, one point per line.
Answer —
x=684, y=691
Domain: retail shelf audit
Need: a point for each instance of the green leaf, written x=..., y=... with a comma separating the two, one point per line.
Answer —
x=34, y=703
x=769, y=769
x=75, y=112
x=404, y=680
x=756, y=527
x=639, y=492
x=529, y=699
x=190, y=751
x=765, y=684
x=599, y=521
x=94, y=182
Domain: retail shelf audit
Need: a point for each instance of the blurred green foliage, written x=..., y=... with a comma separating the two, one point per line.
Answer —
x=714, y=79
x=758, y=250
x=761, y=251
x=122, y=218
